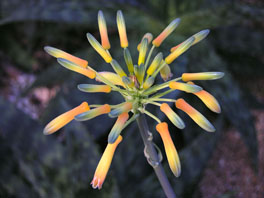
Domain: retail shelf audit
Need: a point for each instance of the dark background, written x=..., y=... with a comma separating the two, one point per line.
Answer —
x=34, y=89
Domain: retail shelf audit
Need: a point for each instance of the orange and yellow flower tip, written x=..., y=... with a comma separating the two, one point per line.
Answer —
x=117, y=128
x=179, y=50
x=142, y=51
x=103, y=30
x=165, y=73
x=148, y=36
x=98, y=47
x=208, y=99
x=171, y=152
x=94, y=88
x=148, y=83
x=123, y=108
x=173, y=117
x=87, y=115
x=202, y=76
x=121, y=26
x=77, y=68
x=57, y=53
x=65, y=118
x=104, y=164
x=111, y=77
x=166, y=32
x=155, y=63
x=118, y=69
x=185, y=87
x=195, y=115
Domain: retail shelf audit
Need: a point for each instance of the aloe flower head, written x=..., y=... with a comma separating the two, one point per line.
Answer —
x=135, y=82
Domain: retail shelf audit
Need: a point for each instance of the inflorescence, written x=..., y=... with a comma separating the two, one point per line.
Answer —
x=137, y=88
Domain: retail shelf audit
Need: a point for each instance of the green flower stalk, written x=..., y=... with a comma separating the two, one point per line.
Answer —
x=139, y=91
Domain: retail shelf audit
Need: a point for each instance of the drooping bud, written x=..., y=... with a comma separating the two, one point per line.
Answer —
x=143, y=51
x=124, y=108
x=173, y=117
x=208, y=99
x=195, y=115
x=77, y=68
x=148, y=36
x=103, y=30
x=117, y=128
x=148, y=83
x=165, y=73
x=121, y=26
x=104, y=164
x=65, y=118
x=185, y=87
x=93, y=113
x=171, y=152
x=202, y=76
x=94, y=88
x=118, y=69
x=139, y=72
x=128, y=60
x=180, y=50
x=155, y=63
x=57, y=53
x=166, y=32
x=98, y=47
x=112, y=77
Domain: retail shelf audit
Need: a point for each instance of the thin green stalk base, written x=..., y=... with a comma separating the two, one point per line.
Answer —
x=150, y=149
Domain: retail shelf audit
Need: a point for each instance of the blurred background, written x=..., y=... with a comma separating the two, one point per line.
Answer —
x=34, y=89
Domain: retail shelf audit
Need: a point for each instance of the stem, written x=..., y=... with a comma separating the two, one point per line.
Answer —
x=143, y=127
x=149, y=55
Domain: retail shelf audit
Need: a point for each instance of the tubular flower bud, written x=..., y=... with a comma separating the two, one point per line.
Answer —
x=148, y=36
x=171, y=152
x=65, y=118
x=98, y=47
x=57, y=53
x=118, y=69
x=139, y=72
x=200, y=36
x=94, y=88
x=155, y=63
x=104, y=164
x=195, y=115
x=197, y=38
x=165, y=73
x=180, y=50
x=124, y=108
x=117, y=128
x=93, y=113
x=208, y=100
x=202, y=76
x=103, y=30
x=128, y=82
x=166, y=32
x=121, y=26
x=72, y=66
x=173, y=117
x=143, y=51
x=185, y=87
x=148, y=83
x=128, y=60
x=112, y=77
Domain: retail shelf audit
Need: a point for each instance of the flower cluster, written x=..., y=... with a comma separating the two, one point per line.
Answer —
x=137, y=86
